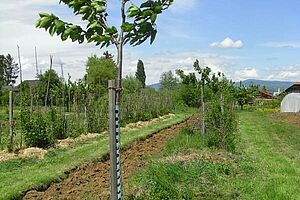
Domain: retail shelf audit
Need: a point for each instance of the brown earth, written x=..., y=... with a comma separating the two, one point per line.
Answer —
x=291, y=118
x=91, y=181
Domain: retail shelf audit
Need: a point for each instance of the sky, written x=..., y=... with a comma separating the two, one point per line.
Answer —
x=243, y=39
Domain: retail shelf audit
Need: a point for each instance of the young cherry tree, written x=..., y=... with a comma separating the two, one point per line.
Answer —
x=204, y=74
x=138, y=23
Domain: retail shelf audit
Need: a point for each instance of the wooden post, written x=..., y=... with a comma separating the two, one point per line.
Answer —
x=0, y=135
x=202, y=109
x=222, y=104
x=48, y=83
x=114, y=134
x=11, y=131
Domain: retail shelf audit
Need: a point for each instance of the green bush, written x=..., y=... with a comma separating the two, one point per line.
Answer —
x=221, y=126
x=57, y=124
x=75, y=128
x=36, y=133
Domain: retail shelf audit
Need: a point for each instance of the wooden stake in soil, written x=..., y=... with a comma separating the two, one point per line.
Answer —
x=48, y=83
x=114, y=132
x=11, y=126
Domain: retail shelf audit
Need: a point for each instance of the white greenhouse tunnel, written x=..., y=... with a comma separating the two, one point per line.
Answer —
x=291, y=103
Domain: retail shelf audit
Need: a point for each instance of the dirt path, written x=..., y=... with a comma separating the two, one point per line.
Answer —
x=91, y=181
x=291, y=118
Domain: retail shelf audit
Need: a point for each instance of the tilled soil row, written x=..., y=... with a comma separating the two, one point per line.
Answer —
x=91, y=181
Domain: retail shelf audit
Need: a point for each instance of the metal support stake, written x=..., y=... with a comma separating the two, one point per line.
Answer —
x=114, y=133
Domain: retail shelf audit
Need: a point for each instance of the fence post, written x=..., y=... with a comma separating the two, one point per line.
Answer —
x=0, y=135
x=115, y=161
x=11, y=131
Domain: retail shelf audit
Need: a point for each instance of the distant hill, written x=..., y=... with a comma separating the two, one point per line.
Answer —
x=155, y=86
x=271, y=86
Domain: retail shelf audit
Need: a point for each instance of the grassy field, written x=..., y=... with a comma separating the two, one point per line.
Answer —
x=265, y=166
x=20, y=175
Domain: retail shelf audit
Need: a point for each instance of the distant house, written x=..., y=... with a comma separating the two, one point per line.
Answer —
x=295, y=88
x=31, y=83
x=275, y=94
x=262, y=95
x=9, y=88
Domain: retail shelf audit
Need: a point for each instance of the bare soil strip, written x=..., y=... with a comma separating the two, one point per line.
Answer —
x=291, y=118
x=91, y=181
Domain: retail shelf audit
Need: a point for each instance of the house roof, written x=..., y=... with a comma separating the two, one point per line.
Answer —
x=295, y=85
x=32, y=82
x=265, y=95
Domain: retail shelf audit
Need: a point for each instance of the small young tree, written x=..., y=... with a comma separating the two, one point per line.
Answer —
x=131, y=85
x=99, y=71
x=140, y=73
x=204, y=74
x=50, y=76
x=189, y=90
x=245, y=95
x=137, y=25
x=8, y=70
x=168, y=81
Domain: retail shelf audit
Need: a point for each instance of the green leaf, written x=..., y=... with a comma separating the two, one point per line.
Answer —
x=52, y=30
x=60, y=26
x=127, y=27
x=100, y=9
x=45, y=22
x=147, y=13
x=158, y=9
x=147, y=4
x=93, y=25
x=64, y=36
x=153, y=36
x=153, y=18
x=43, y=14
x=112, y=30
x=83, y=9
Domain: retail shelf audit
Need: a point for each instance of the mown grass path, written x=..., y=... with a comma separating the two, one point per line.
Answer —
x=266, y=165
x=20, y=175
x=274, y=146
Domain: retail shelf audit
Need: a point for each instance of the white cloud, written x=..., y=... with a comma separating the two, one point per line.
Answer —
x=183, y=6
x=228, y=43
x=291, y=73
x=246, y=73
x=158, y=63
x=292, y=45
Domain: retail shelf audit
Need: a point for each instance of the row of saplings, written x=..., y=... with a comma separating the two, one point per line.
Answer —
x=43, y=128
x=218, y=105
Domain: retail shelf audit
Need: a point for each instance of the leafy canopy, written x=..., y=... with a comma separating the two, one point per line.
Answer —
x=99, y=71
x=138, y=24
x=8, y=70
x=168, y=81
